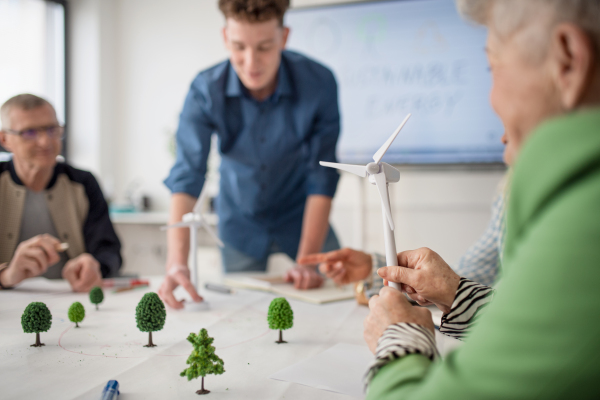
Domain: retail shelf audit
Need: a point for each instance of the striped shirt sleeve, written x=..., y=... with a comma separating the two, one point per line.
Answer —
x=481, y=262
x=400, y=340
x=471, y=298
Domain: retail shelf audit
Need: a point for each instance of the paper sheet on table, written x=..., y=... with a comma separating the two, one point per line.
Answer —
x=275, y=284
x=339, y=369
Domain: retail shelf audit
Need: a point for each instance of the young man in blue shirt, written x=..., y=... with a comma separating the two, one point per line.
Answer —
x=276, y=116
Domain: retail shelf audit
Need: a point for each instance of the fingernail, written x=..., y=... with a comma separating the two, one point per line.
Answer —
x=381, y=272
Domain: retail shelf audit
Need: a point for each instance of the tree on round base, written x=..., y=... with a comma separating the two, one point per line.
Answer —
x=35, y=319
x=203, y=360
x=150, y=315
x=76, y=313
x=280, y=316
x=96, y=296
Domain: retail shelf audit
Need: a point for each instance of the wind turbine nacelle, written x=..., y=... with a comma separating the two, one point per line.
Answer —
x=190, y=217
x=392, y=175
x=373, y=168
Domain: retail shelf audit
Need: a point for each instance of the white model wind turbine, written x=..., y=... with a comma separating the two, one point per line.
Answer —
x=381, y=175
x=195, y=220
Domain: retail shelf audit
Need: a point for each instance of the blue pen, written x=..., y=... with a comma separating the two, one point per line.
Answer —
x=110, y=391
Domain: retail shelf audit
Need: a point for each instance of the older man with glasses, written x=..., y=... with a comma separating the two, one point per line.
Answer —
x=537, y=334
x=53, y=218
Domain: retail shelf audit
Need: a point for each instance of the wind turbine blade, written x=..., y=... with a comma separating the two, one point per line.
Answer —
x=212, y=234
x=359, y=170
x=391, y=174
x=385, y=200
x=200, y=201
x=177, y=225
x=381, y=152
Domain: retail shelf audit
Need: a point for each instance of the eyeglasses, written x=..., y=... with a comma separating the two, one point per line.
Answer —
x=53, y=132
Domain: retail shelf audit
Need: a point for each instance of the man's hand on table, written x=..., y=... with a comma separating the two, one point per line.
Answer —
x=304, y=277
x=429, y=278
x=177, y=275
x=32, y=258
x=388, y=308
x=343, y=266
x=83, y=273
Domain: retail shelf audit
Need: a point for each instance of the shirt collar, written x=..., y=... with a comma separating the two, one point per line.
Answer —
x=18, y=181
x=235, y=88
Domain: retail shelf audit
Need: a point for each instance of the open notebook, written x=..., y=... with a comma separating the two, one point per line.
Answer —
x=275, y=284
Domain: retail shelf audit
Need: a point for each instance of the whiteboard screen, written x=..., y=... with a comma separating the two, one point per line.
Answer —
x=395, y=57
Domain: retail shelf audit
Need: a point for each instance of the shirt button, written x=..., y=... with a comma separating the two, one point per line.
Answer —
x=49, y=197
x=66, y=236
x=10, y=235
x=263, y=186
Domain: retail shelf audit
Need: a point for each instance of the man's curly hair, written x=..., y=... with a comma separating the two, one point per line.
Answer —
x=254, y=10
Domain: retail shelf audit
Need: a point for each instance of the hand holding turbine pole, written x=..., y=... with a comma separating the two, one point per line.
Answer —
x=180, y=273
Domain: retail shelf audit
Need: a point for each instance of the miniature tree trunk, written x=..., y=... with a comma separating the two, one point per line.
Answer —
x=35, y=319
x=203, y=360
x=37, y=341
x=150, y=315
x=202, y=391
x=150, y=344
x=96, y=296
x=76, y=313
x=280, y=316
x=280, y=338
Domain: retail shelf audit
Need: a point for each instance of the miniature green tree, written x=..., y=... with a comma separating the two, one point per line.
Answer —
x=35, y=319
x=150, y=315
x=96, y=296
x=76, y=313
x=203, y=360
x=280, y=316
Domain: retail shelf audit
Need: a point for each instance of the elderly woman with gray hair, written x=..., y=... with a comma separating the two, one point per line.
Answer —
x=540, y=334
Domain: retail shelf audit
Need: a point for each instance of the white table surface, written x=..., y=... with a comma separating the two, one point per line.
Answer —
x=77, y=363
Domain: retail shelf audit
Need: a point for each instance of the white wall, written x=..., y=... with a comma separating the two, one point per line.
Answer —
x=92, y=88
x=131, y=64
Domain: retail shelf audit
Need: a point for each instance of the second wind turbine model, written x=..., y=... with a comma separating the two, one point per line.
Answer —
x=195, y=220
x=381, y=175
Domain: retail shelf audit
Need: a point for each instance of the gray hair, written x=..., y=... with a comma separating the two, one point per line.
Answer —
x=509, y=16
x=24, y=101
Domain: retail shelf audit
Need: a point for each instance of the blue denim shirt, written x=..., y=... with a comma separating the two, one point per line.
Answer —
x=270, y=150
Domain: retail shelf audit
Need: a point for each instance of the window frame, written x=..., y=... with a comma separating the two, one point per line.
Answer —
x=64, y=4
x=66, y=104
